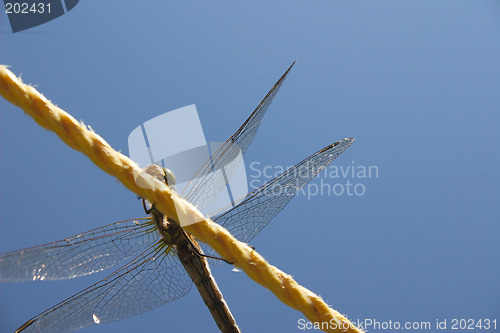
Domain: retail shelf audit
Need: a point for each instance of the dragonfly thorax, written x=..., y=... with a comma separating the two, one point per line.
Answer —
x=169, y=229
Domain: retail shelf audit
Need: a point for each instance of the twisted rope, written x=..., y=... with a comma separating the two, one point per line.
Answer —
x=81, y=138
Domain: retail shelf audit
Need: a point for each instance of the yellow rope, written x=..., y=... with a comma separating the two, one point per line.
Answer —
x=81, y=138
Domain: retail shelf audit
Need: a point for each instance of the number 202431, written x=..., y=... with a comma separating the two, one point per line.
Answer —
x=25, y=8
x=471, y=324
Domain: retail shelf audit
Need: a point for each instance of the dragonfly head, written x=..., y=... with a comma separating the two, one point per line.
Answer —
x=163, y=174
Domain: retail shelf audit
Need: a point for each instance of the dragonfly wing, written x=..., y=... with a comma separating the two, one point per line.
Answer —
x=248, y=218
x=82, y=254
x=152, y=279
x=212, y=177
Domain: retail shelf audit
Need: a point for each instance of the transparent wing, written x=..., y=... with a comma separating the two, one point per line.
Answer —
x=249, y=217
x=82, y=254
x=152, y=279
x=214, y=174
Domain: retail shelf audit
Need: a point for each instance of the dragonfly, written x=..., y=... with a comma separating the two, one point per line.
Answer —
x=160, y=262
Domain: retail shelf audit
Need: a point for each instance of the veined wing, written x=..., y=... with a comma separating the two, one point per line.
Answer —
x=82, y=254
x=152, y=279
x=209, y=181
x=249, y=217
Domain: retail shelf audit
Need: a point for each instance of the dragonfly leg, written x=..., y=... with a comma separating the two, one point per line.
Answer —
x=202, y=254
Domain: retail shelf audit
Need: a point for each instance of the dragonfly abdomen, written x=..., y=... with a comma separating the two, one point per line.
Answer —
x=199, y=271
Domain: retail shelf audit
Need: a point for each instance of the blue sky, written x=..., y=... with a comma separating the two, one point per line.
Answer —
x=416, y=83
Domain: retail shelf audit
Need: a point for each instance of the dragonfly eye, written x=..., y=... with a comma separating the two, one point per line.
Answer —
x=169, y=177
